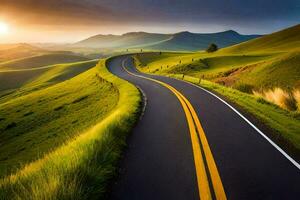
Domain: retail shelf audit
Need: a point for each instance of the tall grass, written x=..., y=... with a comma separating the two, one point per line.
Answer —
x=284, y=99
x=296, y=94
x=39, y=118
x=81, y=168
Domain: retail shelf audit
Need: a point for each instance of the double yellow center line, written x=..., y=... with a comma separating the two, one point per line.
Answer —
x=200, y=146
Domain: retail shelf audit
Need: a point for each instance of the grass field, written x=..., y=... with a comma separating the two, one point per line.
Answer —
x=255, y=70
x=17, y=51
x=35, y=123
x=252, y=70
x=26, y=80
x=281, y=41
x=63, y=141
x=266, y=62
x=40, y=61
x=256, y=75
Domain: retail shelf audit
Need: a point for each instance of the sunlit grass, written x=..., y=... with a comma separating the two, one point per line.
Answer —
x=81, y=167
x=284, y=40
x=296, y=94
x=279, y=97
x=36, y=121
x=25, y=80
x=41, y=60
x=254, y=70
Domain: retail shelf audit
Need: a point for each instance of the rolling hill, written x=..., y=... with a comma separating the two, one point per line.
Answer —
x=41, y=60
x=17, y=51
x=68, y=134
x=126, y=40
x=18, y=72
x=266, y=62
x=183, y=41
x=62, y=115
x=62, y=107
x=25, y=81
x=284, y=40
x=261, y=65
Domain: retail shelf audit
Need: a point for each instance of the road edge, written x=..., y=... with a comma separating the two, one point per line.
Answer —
x=285, y=154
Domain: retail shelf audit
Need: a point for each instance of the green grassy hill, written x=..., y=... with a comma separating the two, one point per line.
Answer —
x=97, y=41
x=17, y=51
x=63, y=140
x=284, y=40
x=18, y=72
x=25, y=81
x=35, y=123
x=183, y=41
x=282, y=71
x=40, y=60
x=255, y=71
x=263, y=63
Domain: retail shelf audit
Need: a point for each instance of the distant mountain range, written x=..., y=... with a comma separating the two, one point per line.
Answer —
x=182, y=41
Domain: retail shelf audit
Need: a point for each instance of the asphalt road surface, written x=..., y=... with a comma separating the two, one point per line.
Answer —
x=161, y=161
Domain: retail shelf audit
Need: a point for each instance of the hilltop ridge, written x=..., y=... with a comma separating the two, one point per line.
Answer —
x=181, y=41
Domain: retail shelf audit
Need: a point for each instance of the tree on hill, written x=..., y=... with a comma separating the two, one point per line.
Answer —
x=212, y=48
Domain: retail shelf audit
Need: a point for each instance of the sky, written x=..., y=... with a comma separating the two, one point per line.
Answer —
x=72, y=20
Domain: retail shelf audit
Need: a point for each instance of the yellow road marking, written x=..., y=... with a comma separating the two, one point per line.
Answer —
x=194, y=126
x=203, y=185
x=215, y=177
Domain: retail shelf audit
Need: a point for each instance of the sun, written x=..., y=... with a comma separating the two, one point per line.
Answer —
x=3, y=28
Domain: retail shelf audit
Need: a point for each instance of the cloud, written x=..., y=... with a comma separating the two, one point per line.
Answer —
x=55, y=12
x=147, y=11
x=247, y=16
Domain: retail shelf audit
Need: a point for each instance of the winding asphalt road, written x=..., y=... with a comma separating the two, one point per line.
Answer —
x=161, y=163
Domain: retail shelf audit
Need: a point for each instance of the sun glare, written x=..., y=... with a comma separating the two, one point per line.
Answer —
x=3, y=28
